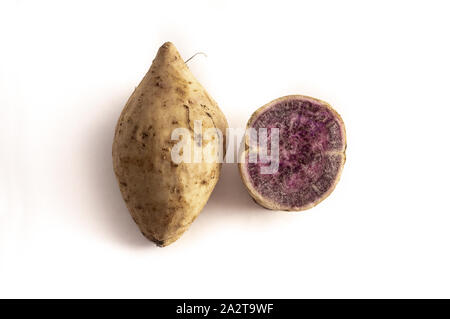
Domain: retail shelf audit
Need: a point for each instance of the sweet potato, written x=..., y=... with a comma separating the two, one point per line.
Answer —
x=162, y=196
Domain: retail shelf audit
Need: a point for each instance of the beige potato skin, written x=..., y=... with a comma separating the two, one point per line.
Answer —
x=257, y=197
x=164, y=198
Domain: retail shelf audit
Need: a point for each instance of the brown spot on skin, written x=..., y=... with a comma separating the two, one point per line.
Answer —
x=180, y=91
x=174, y=122
x=204, y=182
x=209, y=115
x=123, y=184
x=140, y=100
x=188, y=116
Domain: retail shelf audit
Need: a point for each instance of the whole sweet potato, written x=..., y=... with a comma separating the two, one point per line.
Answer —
x=164, y=197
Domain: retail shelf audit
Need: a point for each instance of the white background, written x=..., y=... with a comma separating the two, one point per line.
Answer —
x=67, y=69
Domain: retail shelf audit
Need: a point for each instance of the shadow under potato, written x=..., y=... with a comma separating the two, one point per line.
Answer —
x=230, y=193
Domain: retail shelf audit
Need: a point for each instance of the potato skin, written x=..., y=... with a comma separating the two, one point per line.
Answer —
x=164, y=198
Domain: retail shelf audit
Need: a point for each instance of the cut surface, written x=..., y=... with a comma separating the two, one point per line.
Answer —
x=311, y=153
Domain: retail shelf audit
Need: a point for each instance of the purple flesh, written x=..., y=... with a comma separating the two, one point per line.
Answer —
x=311, y=152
